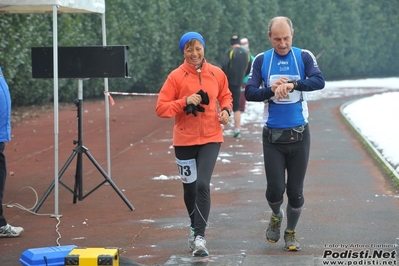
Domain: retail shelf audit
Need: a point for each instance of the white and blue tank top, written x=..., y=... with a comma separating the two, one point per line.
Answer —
x=291, y=112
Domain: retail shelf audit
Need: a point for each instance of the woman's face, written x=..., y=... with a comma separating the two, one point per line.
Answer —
x=194, y=52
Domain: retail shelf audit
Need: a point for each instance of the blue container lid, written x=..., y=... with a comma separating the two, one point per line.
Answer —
x=46, y=256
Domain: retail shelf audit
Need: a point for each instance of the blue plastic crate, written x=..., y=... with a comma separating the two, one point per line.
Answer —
x=46, y=256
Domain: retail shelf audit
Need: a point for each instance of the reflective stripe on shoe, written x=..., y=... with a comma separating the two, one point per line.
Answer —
x=199, y=247
x=291, y=242
x=191, y=239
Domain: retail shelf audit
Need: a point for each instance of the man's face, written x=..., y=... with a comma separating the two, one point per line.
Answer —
x=280, y=36
x=194, y=53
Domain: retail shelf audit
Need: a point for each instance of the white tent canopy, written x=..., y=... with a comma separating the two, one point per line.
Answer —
x=46, y=6
x=55, y=7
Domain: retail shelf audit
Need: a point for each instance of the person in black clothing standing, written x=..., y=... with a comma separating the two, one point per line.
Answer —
x=236, y=64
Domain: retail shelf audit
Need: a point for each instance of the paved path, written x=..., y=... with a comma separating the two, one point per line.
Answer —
x=349, y=200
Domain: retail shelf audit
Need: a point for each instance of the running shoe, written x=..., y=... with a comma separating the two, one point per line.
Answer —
x=10, y=231
x=291, y=242
x=191, y=238
x=237, y=135
x=273, y=231
x=199, y=247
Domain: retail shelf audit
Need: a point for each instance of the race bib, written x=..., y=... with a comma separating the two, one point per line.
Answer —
x=294, y=96
x=187, y=170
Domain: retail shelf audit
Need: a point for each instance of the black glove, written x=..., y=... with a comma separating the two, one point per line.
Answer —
x=200, y=108
x=192, y=109
x=204, y=97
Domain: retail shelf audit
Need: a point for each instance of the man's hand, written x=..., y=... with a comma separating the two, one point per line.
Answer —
x=278, y=82
x=282, y=91
x=281, y=88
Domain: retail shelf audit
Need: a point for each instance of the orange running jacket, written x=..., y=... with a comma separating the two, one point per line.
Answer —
x=182, y=82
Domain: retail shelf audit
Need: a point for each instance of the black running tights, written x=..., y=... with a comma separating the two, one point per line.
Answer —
x=286, y=158
x=197, y=194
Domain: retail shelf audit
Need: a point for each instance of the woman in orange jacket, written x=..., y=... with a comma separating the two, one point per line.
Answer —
x=197, y=95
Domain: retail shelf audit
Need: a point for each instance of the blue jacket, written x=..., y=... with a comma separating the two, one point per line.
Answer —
x=5, y=110
x=299, y=65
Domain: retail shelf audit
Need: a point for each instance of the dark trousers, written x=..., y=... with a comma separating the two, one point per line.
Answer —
x=236, y=94
x=3, y=176
x=285, y=166
x=243, y=101
x=197, y=194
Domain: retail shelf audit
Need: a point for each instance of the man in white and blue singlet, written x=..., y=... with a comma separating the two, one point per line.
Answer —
x=281, y=77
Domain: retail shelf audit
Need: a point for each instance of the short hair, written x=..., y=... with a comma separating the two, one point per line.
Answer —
x=271, y=22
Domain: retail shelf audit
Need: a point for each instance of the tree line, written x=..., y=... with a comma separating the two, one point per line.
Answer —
x=351, y=39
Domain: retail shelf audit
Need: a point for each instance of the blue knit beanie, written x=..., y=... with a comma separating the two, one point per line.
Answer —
x=188, y=36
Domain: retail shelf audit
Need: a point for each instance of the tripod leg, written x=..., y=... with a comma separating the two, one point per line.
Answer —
x=109, y=180
x=51, y=187
x=78, y=188
x=43, y=199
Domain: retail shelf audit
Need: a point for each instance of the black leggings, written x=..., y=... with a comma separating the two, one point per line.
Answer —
x=280, y=158
x=236, y=94
x=197, y=194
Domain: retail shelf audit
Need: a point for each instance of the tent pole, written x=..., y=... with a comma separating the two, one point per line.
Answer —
x=106, y=102
x=55, y=62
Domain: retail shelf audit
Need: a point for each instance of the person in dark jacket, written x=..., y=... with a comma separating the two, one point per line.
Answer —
x=236, y=64
x=244, y=44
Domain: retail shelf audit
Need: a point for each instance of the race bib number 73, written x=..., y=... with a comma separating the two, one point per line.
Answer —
x=187, y=170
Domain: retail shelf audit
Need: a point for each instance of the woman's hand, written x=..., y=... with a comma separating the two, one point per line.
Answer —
x=194, y=99
x=224, y=117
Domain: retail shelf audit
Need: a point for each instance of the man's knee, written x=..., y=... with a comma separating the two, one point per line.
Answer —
x=295, y=199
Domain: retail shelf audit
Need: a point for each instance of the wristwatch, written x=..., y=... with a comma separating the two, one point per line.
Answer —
x=227, y=110
x=295, y=84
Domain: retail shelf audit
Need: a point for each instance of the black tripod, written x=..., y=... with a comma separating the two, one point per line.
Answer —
x=78, y=151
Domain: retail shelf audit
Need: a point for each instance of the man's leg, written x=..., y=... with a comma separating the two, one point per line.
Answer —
x=242, y=100
x=296, y=170
x=237, y=121
x=6, y=230
x=274, y=162
x=236, y=93
x=3, y=175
